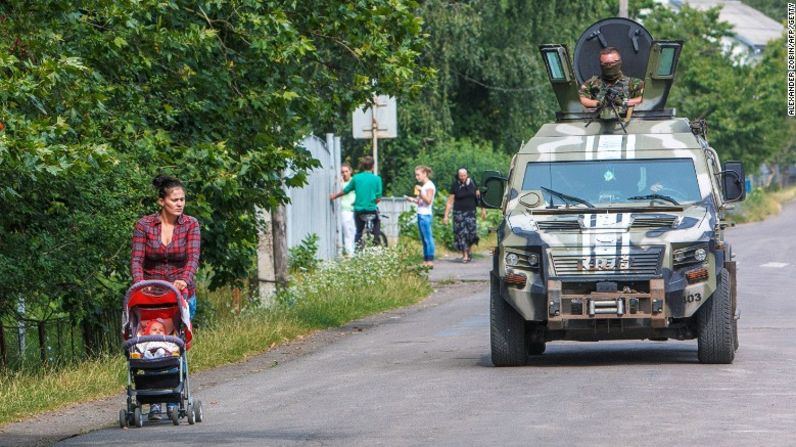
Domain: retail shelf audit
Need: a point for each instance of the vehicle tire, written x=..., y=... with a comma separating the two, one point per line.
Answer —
x=124, y=422
x=736, y=342
x=190, y=414
x=197, y=411
x=507, y=330
x=175, y=417
x=138, y=421
x=716, y=323
x=734, y=293
x=382, y=240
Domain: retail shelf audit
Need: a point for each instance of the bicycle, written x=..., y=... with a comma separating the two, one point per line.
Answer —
x=369, y=236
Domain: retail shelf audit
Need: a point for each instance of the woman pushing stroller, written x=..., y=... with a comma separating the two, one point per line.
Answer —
x=166, y=244
x=166, y=247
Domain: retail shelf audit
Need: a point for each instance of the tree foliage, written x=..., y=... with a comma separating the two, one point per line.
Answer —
x=100, y=97
x=445, y=159
x=491, y=84
x=742, y=102
x=776, y=9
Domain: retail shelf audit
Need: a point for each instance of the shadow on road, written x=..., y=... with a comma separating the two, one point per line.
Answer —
x=586, y=355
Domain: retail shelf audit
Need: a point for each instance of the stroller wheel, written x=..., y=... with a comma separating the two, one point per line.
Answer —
x=137, y=419
x=175, y=417
x=123, y=419
x=189, y=413
x=197, y=411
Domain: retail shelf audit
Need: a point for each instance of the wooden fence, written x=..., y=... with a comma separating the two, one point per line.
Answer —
x=31, y=344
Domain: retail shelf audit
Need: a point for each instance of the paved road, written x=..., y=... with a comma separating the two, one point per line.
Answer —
x=425, y=379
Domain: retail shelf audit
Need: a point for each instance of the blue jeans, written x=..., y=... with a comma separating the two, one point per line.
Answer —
x=424, y=225
x=192, y=306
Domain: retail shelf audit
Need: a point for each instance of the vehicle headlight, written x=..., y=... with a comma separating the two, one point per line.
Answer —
x=689, y=255
x=512, y=259
x=523, y=260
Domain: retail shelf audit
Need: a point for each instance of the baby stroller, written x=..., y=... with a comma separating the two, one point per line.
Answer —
x=163, y=379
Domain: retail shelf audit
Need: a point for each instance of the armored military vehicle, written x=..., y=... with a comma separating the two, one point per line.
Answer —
x=614, y=222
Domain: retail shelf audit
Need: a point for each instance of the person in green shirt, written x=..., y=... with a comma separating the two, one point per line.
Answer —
x=368, y=189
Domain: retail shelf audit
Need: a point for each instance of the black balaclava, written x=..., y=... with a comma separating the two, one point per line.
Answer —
x=611, y=72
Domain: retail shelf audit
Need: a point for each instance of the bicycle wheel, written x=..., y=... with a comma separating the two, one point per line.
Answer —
x=382, y=240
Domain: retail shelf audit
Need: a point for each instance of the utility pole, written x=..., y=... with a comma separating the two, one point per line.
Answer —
x=374, y=130
x=374, y=120
x=623, y=8
x=279, y=230
x=266, y=277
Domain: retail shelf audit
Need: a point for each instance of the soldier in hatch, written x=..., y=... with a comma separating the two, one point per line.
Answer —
x=593, y=91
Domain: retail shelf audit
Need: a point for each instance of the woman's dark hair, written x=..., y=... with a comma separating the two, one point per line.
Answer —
x=165, y=183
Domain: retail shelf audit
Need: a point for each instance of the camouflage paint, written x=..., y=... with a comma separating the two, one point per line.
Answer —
x=604, y=243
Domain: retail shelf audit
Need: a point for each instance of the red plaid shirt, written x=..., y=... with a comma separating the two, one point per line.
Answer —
x=178, y=260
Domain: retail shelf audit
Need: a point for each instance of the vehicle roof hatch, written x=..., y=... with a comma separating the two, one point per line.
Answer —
x=654, y=61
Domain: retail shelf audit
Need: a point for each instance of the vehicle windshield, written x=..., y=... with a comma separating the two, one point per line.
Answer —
x=662, y=182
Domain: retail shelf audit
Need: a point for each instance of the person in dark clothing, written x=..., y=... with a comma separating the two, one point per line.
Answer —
x=463, y=197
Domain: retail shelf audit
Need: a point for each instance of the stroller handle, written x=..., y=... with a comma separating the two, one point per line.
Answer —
x=148, y=283
x=149, y=338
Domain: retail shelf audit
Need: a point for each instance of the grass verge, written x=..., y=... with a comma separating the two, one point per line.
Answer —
x=761, y=204
x=335, y=294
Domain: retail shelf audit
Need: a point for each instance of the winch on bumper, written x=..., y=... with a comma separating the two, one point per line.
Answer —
x=606, y=302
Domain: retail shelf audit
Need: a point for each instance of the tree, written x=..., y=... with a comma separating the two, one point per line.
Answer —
x=491, y=84
x=99, y=98
x=742, y=103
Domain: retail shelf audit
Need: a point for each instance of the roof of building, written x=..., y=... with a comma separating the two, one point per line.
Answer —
x=751, y=27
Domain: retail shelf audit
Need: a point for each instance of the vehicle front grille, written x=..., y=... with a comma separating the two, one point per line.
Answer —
x=641, y=264
x=653, y=221
x=559, y=225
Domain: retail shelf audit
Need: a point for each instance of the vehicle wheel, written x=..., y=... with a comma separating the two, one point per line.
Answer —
x=736, y=342
x=507, y=330
x=190, y=414
x=123, y=421
x=197, y=411
x=175, y=417
x=138, y=421
x=382, y=240
x=717, y=328
x=733, y=293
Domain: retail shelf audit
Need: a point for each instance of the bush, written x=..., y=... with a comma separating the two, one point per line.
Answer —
x=302, y=257
x=445, y=159
x=368, y=268
x=443, y=234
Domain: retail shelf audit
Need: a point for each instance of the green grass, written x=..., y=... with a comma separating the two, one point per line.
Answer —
x=761, y=204
x=333, y=296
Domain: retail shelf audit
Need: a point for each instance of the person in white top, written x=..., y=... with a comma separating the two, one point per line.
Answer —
x=347, y=211
x=424, y=202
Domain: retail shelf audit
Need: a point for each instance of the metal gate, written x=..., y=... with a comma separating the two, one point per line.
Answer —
x=310, y=210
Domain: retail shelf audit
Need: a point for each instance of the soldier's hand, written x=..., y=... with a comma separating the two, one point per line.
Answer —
x=600, y=97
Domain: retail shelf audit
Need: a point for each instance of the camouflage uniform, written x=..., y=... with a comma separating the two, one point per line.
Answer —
x=594, y=87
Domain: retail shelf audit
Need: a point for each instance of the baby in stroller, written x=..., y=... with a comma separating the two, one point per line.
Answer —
x=156, y=326
x=156, y=349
